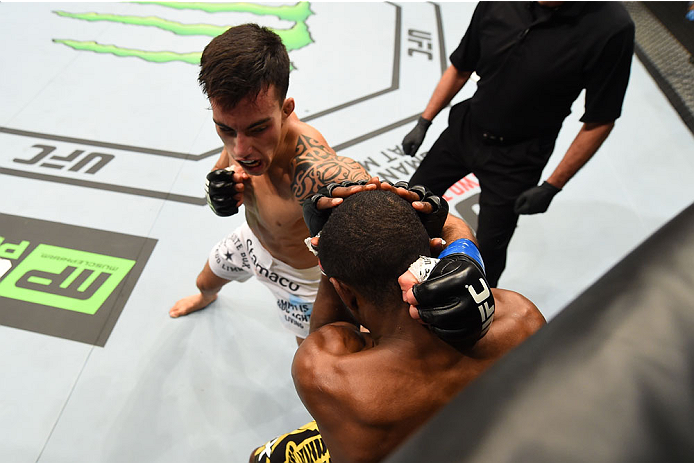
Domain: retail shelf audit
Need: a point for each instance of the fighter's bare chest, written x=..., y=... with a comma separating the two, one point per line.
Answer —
x=272, y=205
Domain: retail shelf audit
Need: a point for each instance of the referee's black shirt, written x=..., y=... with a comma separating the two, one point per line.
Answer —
x=534, y=61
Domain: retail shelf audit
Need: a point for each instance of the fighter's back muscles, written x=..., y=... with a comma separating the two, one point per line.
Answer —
x=515, y=319
x=366, y=399
x=328, y=380
x=317, y=370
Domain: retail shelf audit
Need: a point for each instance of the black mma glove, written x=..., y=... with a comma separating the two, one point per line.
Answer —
x=315, y=219
x=433, y=222
x=219, y=191
x=414, y=139
x=455, y=300
x=535, y=199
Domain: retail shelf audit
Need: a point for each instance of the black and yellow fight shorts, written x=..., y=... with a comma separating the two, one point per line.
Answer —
x=305, y=445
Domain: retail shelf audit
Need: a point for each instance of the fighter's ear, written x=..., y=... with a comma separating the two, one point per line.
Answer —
x=348, y=296
x=287, y=107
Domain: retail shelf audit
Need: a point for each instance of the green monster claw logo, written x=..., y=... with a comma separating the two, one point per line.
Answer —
x=295, y=37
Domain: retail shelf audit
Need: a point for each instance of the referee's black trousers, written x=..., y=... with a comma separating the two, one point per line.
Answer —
x=504, y=171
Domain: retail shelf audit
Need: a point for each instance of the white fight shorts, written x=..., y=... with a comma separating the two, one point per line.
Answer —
x=240, y=256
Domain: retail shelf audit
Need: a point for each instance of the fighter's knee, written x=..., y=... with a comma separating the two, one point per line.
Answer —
x=208, y=284
x=201, y=283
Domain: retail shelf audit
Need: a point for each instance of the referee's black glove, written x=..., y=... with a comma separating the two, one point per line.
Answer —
x=414, y=139
x=535, y=199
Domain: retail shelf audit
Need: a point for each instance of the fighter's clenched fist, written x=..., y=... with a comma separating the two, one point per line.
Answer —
x=223, y=188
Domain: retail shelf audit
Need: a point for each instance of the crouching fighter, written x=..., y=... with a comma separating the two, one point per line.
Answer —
x=271, y=163
x=369, y=391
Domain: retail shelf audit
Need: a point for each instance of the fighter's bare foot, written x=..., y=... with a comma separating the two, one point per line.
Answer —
x=191, y=304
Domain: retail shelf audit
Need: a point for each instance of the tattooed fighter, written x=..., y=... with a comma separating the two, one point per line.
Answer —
x=271, y=163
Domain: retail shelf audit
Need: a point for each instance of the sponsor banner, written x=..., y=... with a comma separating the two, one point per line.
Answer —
x=66, y=281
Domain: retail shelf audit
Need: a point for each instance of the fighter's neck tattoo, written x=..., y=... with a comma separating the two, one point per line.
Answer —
x=316, y=166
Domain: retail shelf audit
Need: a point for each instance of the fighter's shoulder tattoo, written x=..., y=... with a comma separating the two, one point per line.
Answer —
x=315, y=165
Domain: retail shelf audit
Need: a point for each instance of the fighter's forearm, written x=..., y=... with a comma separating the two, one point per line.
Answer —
x=328, y=307
x=450, y=84
x=589, y=139
x=455, y=228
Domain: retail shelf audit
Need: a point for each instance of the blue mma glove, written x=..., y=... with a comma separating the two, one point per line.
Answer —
x=219, y=192
x=455, y=300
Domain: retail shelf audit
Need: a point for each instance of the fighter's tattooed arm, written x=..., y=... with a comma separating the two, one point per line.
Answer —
x=316, y=166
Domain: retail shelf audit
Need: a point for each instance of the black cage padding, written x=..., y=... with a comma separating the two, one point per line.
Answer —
x=609, y=379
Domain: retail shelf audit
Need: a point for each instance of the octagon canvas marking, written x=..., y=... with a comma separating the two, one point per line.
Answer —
x=411, y=33
x=66, y=281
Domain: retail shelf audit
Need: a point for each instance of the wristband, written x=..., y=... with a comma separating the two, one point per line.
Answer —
x=310, y=246
x=463, y=246
x=422, y=267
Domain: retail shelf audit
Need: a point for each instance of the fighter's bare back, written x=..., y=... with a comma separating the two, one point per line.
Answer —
x=368, y=396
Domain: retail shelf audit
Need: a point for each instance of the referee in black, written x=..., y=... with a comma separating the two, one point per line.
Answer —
x=533, y=60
